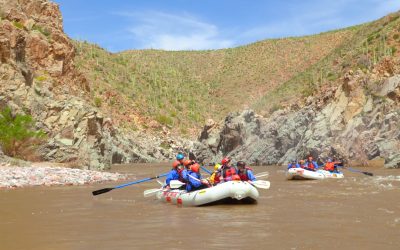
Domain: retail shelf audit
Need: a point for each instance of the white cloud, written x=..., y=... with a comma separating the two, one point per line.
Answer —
x=160, y=30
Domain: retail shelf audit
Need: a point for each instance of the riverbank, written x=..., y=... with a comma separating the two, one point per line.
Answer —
x=48, y=174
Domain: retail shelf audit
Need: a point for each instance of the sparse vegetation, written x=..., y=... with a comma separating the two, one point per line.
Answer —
x=188, y=87
x=97, y=102
x=17, y=135
x=42, y=30
x=180, y=89
x=18, y=25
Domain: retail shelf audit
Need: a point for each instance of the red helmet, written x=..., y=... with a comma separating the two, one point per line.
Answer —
x=187, y=163
x=175, y=164
x=225, y=161
x=195, y=167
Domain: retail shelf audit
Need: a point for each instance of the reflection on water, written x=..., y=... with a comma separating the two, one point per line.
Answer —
x=357, y=212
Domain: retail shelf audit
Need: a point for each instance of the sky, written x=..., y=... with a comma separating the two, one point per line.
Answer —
x=118, y=25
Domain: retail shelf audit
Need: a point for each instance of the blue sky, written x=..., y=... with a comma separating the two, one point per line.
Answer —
x=118, y=25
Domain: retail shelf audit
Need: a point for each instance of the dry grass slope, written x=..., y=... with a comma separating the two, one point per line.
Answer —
x=180, y=89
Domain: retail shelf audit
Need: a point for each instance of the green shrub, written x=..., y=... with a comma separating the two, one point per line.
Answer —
x=40, y=78
x=42, y=30
x=97, y=102
x=18, y=25
x=164, y=120
x=16, y=133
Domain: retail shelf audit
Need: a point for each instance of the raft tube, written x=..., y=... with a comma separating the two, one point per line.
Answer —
x=304, y=174
x=226, y=192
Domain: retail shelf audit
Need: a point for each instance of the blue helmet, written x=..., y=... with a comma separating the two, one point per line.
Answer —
x=180, y=156
x=329, y=160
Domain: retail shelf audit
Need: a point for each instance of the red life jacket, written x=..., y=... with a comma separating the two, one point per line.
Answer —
x=228, y=171
x=243, y=175
x=329, y=166
x=310, y=165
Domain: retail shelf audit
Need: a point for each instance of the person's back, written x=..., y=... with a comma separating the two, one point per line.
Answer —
x=293, y=164
x=245, y=173
x=194, y=181
x=173, y=174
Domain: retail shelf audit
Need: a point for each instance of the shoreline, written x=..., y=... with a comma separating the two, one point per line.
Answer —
x=50, y=174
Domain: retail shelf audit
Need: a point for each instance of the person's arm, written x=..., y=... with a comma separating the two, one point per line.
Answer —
x=170, y=177
x=250, y=175
x=193, y=182
x=315, y=165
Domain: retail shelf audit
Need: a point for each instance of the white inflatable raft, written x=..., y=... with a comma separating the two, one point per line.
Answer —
x=301, y=174
x=226, y=192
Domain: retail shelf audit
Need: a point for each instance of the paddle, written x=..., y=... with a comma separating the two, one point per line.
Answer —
x=151, y=192
x=105, y=190
x=206, y=170
x=176, y=184
x=262, y=174
x=261, y=184
x=356, y=171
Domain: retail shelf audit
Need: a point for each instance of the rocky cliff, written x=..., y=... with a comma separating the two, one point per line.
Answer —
x=356, y=120
x=38, y=77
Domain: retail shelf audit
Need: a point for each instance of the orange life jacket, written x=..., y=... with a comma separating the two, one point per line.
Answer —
x=329, y=166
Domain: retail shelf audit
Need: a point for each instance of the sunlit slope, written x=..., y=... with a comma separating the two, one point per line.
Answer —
x=180, y=89
x=368, y=46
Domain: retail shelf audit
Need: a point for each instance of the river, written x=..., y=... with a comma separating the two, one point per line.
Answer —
x=357, y=212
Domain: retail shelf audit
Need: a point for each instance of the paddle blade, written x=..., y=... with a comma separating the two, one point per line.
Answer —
x=368, y=173
x=262, y=174
x=151, y=192
x=261, y=184
x=102, y=191
x=176, y=184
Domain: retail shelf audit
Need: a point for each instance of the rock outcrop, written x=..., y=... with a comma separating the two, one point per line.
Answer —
x=38, y=77
x=358, y=120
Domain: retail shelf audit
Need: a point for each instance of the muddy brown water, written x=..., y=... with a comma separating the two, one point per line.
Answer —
x=357, y=212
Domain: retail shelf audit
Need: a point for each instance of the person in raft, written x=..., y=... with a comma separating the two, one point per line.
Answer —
x=302, y=163
x=293, y=164
x=227, y=172
x=331, y=166
x=194, y=181
x=178, y=171
x=180, y=158
x=217, y=168
x=310, y=164
x=245, y=173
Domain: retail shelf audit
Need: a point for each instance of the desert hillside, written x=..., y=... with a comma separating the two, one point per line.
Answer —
x=334, y=93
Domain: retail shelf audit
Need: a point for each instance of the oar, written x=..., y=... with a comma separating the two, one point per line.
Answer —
x=261, y=184
x=105, y=190
x=151, y=192
x=262, y=174
x=206, y=170
x=357, y=171
x=176, y=184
